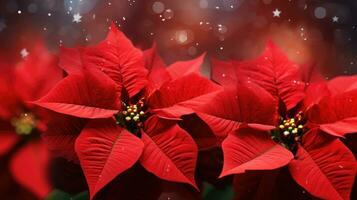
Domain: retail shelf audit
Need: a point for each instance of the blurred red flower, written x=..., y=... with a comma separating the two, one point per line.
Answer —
x=21, y=122
x=273, y=113
x=136, y=110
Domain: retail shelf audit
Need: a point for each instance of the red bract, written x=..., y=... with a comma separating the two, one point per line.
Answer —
x=21, y=122
x=266, y=123
x=136, y=110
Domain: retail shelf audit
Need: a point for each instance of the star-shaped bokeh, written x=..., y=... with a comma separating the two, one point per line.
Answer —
x=313, y=31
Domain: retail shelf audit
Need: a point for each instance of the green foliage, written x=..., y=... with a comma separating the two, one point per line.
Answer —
x=61, y=195
x=212, y=193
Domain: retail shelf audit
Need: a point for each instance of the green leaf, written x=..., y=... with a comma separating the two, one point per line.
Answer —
x=57, y=194
x=212, y=193
x=81, y=196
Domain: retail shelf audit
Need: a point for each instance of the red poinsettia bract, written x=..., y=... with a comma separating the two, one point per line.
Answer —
x=134, y=105
x=268, y=117
x=22, y=123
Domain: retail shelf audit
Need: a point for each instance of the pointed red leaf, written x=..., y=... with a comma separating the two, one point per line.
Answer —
x=70, y=60
x=88, y=95
x=324, y=167
x=310, y=74
x=7, y=140
x=179, y=96
x=336, y=115
x=223, y=72
x=170, y=155
x=105, y=150
x=248, y=149
x=118, y=58
x=276, y=73
x=61, y=134
x=314, y=93
x=29, y=168
x=155, y=124
x=342, y=84
x=183, y=68
x=157, y=69
x=152, y=58
x=232, y=107
x=37, y=73
x=221, y=127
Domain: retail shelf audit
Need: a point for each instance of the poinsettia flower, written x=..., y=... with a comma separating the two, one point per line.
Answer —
x=134, y=115
x=22, y=123
x=271, y=119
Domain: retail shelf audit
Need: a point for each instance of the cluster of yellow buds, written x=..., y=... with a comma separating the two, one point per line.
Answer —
x=289, y=126
x=24, y=124
x=132, y=116
x=289, y=131
x=133, y=112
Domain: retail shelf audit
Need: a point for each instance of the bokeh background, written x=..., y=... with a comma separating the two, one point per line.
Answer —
x=320, y=32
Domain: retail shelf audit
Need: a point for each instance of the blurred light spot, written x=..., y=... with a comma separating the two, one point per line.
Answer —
x=19, y=12
x=168, y=14
x=181, y=36
x=77, y=18
x=276, y=13
x=24, y=53
x=88, y=37
x=335, y=19
x=229, y=5
x=158, y=7
x=222, y=29
x=205, y=25
x=320, y=12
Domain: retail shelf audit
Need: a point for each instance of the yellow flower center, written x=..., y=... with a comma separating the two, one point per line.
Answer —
x=289, y=131
x=132, y=116
x=24, y=124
